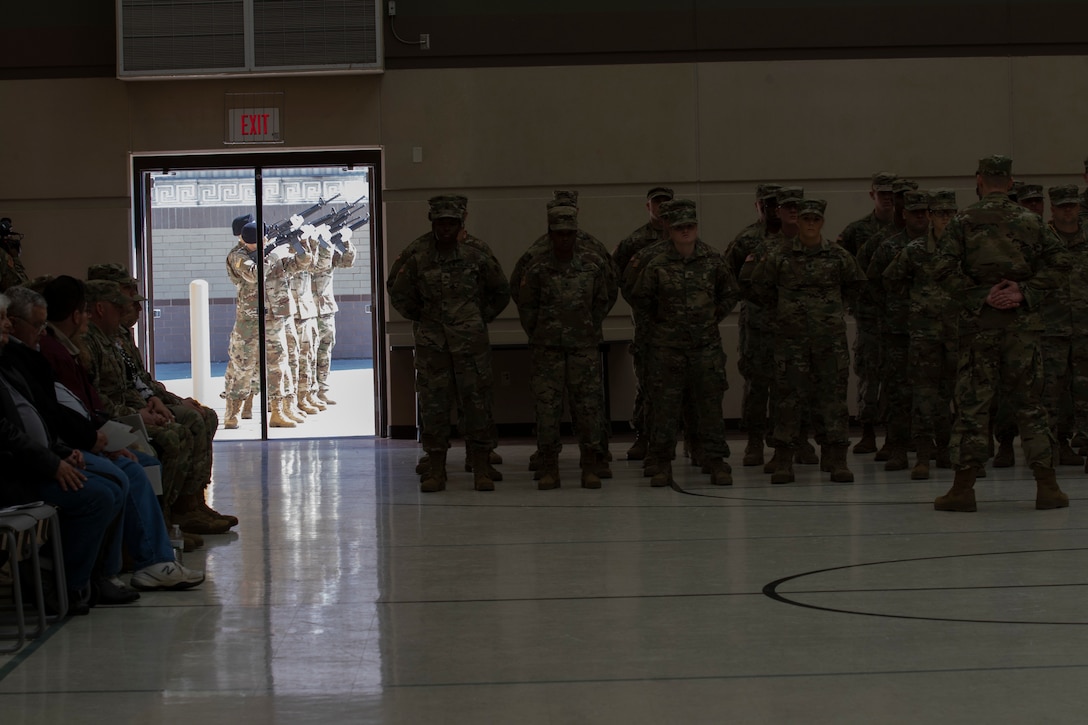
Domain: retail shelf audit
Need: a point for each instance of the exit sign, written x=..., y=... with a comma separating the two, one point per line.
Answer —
x=254, y=125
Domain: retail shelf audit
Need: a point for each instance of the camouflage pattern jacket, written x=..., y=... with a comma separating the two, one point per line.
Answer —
x=752, y=240
x=995, y=239
x=12, y=271
x=108, y=375
x=809, y=287
x=544, y=244
x=894, y=306
x=685, y=298
x=635, y=242
x=1057, y=310
x=563, y=303
x=329, y=259
x=450, y=295
x=280, y=264
x=242, y=271
x=932, y=314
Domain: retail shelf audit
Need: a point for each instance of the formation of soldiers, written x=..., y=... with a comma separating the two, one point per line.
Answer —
x=300, y=322
x=965, y=331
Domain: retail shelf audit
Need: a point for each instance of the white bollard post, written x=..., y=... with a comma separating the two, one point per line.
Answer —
x=200, y=340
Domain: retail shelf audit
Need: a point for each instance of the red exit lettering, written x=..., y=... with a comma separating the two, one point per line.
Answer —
x=255, y=124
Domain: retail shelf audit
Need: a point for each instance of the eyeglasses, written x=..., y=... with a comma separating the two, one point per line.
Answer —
x=39, y=329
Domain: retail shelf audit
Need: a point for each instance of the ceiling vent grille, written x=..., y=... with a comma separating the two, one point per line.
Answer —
x=195, y=38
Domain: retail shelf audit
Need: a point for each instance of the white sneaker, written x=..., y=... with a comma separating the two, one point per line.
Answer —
x=166, y=575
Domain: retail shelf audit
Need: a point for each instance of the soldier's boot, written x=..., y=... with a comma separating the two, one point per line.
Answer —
x=637, y=451
x=424, y=464
x=316, y=402
x=590, y=462
x=805, y=453
x=961, y=497
x=481, y=471
x=783, y=465
x=650, y=465
x=278, y=419
x=867, y=444
x=840, y=472
x=1047, y=493
x=434, y=479
x=920, y=472
x=1067, y=456
x=980, y=472
x=494, y=458
x=1005, y=457
x=663, y=475
x=897, y=458
x=304, y=405
x=230, y=419
x=597, y=460
x=493, y=473
x=287, y=405
x=884, y=453
x=534, y=460
x=721, y=473
x=247, y=407
x=324, y=395
x=549, y=471
x=753, y=452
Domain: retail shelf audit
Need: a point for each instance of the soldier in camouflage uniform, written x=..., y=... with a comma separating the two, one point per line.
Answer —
x=652, y=232
x=242, y=355
x=867, y=337
x=686, y=288
x=329, y=259
x=1077, y=248
x=755, y=348
x=302, y=292
x=564, y=298
x=1032, y=198
x=894, y=322
x=933, y=336
x=1057, y=312
x=807, y=282
x=999, y=261
x=452, y=291
x=12, y=271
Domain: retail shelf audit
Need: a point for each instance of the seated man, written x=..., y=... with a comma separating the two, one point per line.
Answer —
x=142, y=530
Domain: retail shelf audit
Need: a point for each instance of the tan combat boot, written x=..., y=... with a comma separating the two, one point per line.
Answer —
x=805, y=453
x=315, y=402
x=423, y=464
x=1066, y=455
x=304, y=405
x=867, y=444
x=721, y=473
x=961, y=497
x=493, y=473
x=1047, y=493
x=1006, y=457
x=290, y=411
x=637, y=451
x=230, y=419
x=920, y=472
x=753, y=452
x=840, y=472
x=897, y=458
x=650, y=465
x=434, y=480
x=247, y=407
x=481, y=476
x=598, y=461
x=494, y=458
x=278, y=419
x=324, y=395
x=548, y=470
x=783, y=465
x=590, y=462
x=663, y=475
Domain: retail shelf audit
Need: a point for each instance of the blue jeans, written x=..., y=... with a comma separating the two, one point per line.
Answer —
x=142, y=530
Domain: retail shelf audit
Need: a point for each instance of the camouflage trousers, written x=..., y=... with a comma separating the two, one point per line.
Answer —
x=895, y=386
x=201, y=426
x=638, y=360
x=1057, y=384
x=867, y=368
x=1079, y=380
x=700, y=372
x=755, y=363
x=811, y=376
x=1005, y=363
x=276, y=358
x=242, y=359
x=932, y=374
x=173, y=444
x=326, y=341
x=444, y=377
x=307, y=355
x=290, y=329
x=575, y=372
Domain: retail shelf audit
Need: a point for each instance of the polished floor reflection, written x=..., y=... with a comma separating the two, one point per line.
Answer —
x=349, y=597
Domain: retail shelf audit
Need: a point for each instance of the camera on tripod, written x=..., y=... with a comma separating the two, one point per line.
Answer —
x=11, y=241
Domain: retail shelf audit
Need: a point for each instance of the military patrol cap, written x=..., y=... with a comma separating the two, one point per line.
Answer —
x=679, y=212
x=458, y=199
x=1030, y=191
x=915, y=200
x=569, y=197
x=884, y=181
x=239, y=222
x=563, y=217
x=104, y=290
x=902, y=186
x=812, y=207
x=790, y=195
x=659, y=192
x=443, y=207
x=942, y=200
x=114, y=272
x=767, y=191
x=996, y=165
x=1064, y=194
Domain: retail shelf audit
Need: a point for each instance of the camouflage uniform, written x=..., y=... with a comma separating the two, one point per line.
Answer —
x=302, y=292
x=279, y=321
x=240, y=380
x=328, y=260
x=12, y=271
x=562, y=304
x=992, y=240
x=686, y=298
x=451, y=296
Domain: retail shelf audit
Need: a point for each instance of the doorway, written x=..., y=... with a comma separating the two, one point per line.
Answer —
x=314, y=206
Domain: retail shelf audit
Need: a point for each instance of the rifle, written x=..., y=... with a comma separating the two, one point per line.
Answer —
x=345, y=232
x=286, y=231
x=336, y=219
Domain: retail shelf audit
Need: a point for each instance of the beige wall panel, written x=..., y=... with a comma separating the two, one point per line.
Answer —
x=849, y=118
x=490, y=127
x=63, y=139
x=67, y=236
x=1049, y=108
